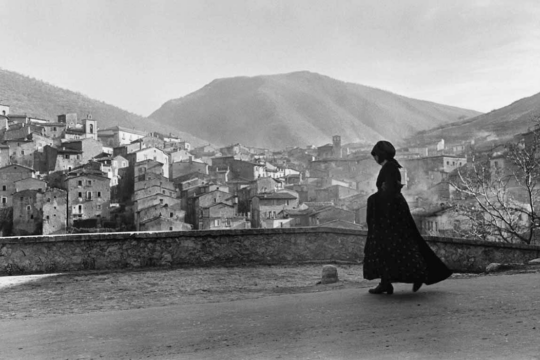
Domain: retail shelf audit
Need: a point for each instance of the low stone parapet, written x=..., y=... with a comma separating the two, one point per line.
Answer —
x=47, y=254
x=42, y=254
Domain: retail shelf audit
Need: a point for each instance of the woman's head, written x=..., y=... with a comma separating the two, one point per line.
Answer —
x=384, y=151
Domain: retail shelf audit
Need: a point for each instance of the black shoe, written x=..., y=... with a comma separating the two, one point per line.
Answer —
x=382, y=288
x=416, y=286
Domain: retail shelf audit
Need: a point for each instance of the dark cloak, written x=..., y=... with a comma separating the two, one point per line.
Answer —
x=395, y=249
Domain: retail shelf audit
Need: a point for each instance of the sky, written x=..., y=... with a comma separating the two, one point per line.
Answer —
x=138, y=54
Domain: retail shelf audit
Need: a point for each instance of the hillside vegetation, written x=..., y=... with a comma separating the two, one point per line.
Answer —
x=39, y=99
x=299, y=109
x=501, y=124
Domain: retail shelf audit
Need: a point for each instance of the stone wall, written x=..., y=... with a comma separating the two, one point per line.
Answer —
x=473, y=256
x=25, y=255
x=41, y=254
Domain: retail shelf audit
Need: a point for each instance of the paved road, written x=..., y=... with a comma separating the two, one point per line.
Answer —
x=492, y=317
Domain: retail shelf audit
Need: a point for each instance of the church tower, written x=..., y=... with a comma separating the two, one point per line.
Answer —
x=90, y=127
x=336, y=140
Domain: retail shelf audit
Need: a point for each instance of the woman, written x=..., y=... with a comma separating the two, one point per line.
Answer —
x=395, y=251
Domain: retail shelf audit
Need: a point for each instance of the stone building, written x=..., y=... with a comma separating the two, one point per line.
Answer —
x=159, y=223
x=161, y=217
x=205, y=200
x=184, y=167
x=54, y=211
x=27, y=212
x=88, y=195
x=4, y=155
x=240, y=169
x=260, y=185
x=269, y=205
x=8, y=176
x=117, y=136
x=154, y=189
x=217, y=216
x=30, y=184
x=54, y=130
x=89, y=148
x=21, y=152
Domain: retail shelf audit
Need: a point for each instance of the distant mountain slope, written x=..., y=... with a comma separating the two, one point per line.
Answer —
x=299, y=109
x=502, y=123
x=36, y=98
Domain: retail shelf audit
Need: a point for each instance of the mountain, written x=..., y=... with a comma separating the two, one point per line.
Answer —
x=38, y=99
x=298, y=109
x=498, y=125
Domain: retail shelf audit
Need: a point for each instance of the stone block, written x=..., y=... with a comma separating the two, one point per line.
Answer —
x=329, y=274
x=493, y=267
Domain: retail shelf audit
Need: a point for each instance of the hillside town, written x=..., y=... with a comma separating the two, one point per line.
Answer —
x=71, y=175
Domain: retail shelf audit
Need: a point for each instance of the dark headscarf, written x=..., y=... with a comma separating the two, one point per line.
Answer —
x=385, y=151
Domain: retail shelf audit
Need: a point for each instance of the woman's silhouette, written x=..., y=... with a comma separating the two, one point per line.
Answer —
x=395, y=251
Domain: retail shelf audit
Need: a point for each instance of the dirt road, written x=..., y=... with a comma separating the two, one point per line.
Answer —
x=489, y=317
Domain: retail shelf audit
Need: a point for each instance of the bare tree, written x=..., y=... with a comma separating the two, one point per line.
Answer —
x=500, y=199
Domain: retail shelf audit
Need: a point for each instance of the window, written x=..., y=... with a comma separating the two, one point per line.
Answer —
x=99, y=194
x=91, y=128
x=4, y=187
x=88, y=195
x=80, y=209
x=124, y=164
x=80, y=194
x=79, y=183
x=161, y=201
x=170, y=228
x=98, y=207
x=22, y=152
x=216, y=222
x=66, y=156
x=48, y=217
x=4, y=200
x=89, y=182
x=48, y=199
x=171, y=214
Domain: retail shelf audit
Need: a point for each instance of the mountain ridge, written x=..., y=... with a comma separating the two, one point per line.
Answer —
x=297, y=109
x=501, y=124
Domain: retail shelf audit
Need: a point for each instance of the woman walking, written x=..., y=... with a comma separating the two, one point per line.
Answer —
x=395, y=251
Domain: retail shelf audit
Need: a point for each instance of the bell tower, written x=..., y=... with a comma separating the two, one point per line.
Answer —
x=90, y=127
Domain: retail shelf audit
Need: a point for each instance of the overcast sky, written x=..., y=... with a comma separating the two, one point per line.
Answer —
x=137, y=54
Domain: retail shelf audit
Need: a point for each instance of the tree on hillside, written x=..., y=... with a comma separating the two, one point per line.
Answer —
x=503, y=192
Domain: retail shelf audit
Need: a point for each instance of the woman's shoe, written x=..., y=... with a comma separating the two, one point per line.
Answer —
x=382, y=288
x=416, y=286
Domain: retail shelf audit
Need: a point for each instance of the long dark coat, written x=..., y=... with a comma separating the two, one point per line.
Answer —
x=394, y=249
